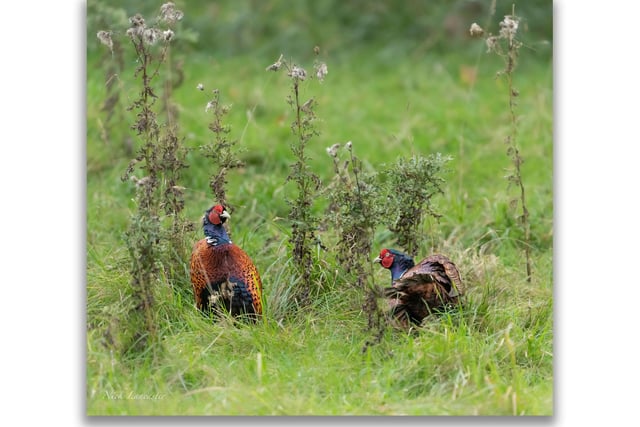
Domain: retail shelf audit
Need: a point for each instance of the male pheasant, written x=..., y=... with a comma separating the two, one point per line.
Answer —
x=223, y=276
x=417, y=290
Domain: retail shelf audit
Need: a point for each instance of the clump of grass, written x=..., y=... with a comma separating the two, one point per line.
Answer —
x=507, y=47
x=410, y=185
x=221, y=150
x=159, y=161
x=304, y=223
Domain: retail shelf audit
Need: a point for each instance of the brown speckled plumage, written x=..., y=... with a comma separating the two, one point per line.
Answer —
x=223, y=276
x=418, y=290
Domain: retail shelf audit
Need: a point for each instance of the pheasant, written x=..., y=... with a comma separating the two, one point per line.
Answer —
x=223, y=276
x=417, y=290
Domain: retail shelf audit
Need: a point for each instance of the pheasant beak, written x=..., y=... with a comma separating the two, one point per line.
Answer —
x=225, y=214
x=377, y=259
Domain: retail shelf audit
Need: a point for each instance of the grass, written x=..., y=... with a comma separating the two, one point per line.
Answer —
x=495, y=357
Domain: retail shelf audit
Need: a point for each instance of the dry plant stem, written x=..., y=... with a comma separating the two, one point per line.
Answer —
x=517, y=162
x=160, y=158
x=508, y=30
x=302, y=237
x=145, y=227
x=221, y=150
x=355, y=211
x=511, y=57
x=304, y=224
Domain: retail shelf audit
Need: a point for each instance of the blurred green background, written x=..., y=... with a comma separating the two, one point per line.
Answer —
x=268, y=27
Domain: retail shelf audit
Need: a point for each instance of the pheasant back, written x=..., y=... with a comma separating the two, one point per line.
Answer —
x=428, y=286
x=224, y=277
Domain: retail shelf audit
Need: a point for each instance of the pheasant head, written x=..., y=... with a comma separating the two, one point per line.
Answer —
x=212, y=224
x=394, y=261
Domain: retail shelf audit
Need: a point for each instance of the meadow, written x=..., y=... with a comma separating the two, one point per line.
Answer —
x=494, y=356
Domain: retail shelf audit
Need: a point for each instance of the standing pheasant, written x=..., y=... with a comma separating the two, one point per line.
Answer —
x=417, y=290
x=223, y=276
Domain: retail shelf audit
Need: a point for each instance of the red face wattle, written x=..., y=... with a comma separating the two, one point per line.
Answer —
x=214, y=215
x=386, y=258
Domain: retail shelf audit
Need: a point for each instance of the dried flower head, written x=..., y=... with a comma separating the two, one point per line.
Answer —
x=476, y=30
x=167, y=35
x=349, y=145
x=306, y=107
x=276, y=65
x=170, y=14
x=137, y=20
x=492, y=43
x=140, y=182
x=333, y=150
x=509, y=27
x=105, y=39
x=321, y=71
x=137, y=26
x=151, y=35
x=297, y=73
x=200, y=86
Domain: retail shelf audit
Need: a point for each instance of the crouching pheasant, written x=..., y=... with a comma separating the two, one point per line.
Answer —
x=223, y=276
x=417, y=290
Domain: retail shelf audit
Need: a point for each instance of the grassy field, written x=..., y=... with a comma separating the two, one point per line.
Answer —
x=495, y=357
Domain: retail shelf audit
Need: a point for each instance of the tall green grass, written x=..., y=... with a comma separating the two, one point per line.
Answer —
x=494, y=357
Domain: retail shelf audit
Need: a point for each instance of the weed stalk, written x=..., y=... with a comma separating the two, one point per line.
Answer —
x=304, y=223
x=221, y=150
x=507, y=47
x=160, y=159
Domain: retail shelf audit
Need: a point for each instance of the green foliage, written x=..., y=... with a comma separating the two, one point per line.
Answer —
x=220, y=150
x=355, y=211
x=354, y=208
x=495, y=357
x=410, y=184
x=159, y=160
x=304, y=222
x=265, y=26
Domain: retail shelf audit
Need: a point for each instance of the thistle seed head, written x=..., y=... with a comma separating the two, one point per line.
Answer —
x=509, y=27
x=151, y=35
x=105, y=39
x=170, y=14
x=167, y=35
x=297, y=73
x=321, y=71
x=276, y=65
x=333, y=150
x=476, y=30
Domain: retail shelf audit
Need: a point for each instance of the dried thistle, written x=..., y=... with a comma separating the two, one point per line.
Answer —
x=221, y=150
x=105, y=39
x=507, y=46
x=321, y=70
x=476, y=30
x=304, y=223
x=170, y=14
x=276, y=65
